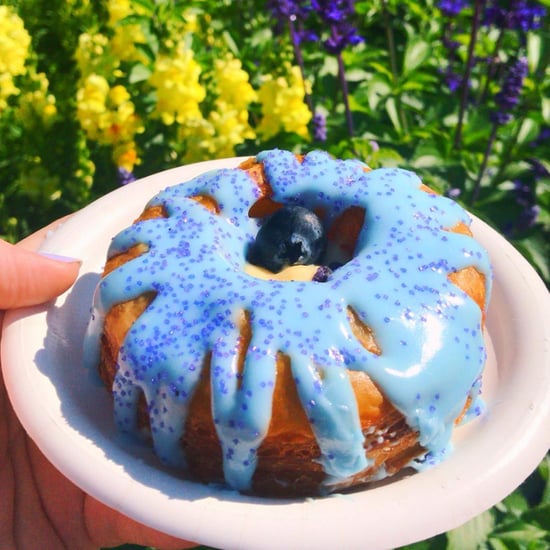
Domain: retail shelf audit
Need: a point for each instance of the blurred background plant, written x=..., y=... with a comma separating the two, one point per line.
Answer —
x=97, y=93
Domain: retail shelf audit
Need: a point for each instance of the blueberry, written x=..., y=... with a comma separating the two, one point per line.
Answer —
x=322, y=274
x=293, y=235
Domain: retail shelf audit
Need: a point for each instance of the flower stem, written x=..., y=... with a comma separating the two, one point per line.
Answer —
x=467, y=73
x=477, y=184
x=491, y=69
x=393, y=61
x=300, y=61
x=345, y=94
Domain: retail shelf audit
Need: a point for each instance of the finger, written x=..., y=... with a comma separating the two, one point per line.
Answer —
x=27, y=278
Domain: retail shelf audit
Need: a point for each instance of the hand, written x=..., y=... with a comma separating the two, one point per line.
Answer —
x=38, y=505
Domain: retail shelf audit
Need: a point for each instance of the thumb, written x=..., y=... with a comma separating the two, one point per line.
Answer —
x=27, y=278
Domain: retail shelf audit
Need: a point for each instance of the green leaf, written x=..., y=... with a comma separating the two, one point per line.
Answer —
x=391, y=108
x=515, y=170
x=146, y=50
x=356, y=74
x=139, y=73
x=515, y=504
x=519, y=531
x=149, y=5
x=539, y=515
x=534, y=49
x=473, y=533
x=134, y=19
x=544, y=470
x=497, y=544
x=535, y=249
x=357, y=106
x=416, y=53
x=386, y=157
x=230, y=43
x=377, y=88
x=381, y=69
x=528, y=131
x=545, y=109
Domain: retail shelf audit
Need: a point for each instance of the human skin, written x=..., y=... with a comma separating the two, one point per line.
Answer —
x=37, y=503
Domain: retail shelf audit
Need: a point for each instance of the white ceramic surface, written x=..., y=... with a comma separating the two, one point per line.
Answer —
x=69, y=414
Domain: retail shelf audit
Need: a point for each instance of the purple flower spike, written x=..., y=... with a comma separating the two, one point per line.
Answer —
x=509, y=94
x=517, y=15
x=338, y=16
x=124, y=176
x=451, y=8
x=319, y=123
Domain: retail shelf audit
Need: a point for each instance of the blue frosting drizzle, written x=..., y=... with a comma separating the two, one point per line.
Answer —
x=429, y=330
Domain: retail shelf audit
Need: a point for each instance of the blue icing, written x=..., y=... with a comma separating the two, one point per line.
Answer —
x=429, y=331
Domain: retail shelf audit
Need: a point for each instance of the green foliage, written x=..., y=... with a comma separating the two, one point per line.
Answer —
x=520, y=522
x=399, y=109
x=385, y=100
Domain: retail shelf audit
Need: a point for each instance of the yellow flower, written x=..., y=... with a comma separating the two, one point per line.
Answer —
x=190, y=21
x=179, y=92
x=283, y=105
x=197, y=134
x=7, y=88
x=227, y=124
x=125, y=155
x=37, y=183
x=118, y=9
x=91, y=109
x=107, y=115
x=232, y=83
x=123, y=43
x=231, y=127
x=14, y=49
x=14, y=42
x=93, y=55
x=37, y=104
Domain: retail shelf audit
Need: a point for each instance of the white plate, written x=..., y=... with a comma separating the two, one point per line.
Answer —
x=70, y=418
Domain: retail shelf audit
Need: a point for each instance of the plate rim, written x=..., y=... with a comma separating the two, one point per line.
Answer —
x=237, y=535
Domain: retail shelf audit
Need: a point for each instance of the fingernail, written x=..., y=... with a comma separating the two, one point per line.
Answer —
x=59, y=257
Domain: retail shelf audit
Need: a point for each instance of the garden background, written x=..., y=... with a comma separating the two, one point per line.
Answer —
x=96, y=93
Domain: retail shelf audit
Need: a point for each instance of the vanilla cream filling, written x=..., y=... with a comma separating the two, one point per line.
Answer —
x=291, y=273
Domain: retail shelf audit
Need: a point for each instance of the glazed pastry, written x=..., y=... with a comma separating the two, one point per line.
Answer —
x=344, y=374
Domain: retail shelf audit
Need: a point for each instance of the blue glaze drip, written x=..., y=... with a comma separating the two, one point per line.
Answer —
x=429, y=331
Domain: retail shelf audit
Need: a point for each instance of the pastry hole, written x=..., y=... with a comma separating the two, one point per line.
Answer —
x=363, y=332
x=263, y=207
x=343, y=235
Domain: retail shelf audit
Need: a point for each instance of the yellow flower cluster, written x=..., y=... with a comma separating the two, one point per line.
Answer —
x=174, y=88
x=179, y=91
x=118, y=10
x=227, y=124
x=283, y=105
x=125, y=37
x=36, y=182
x=14, y=46
x=37, y=104
x=94, y=56
x=108, y=117
x=232, y=83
